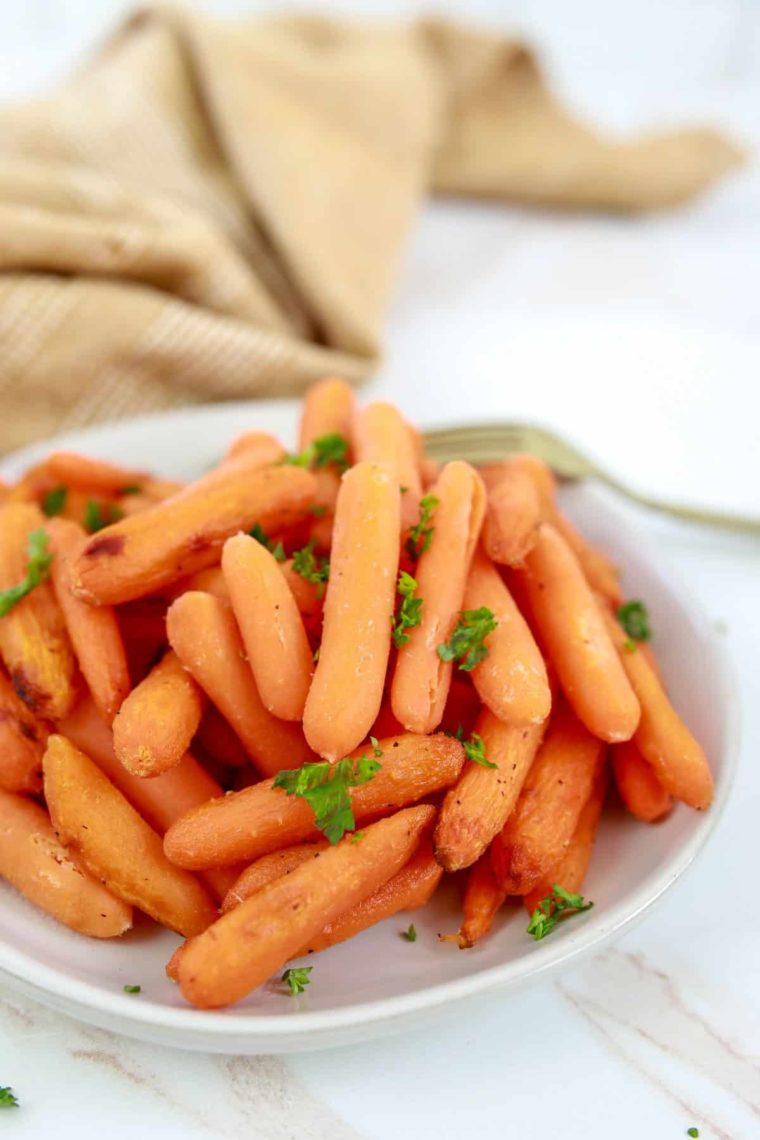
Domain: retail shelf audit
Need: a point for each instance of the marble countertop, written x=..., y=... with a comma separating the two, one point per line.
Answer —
x=641, y=339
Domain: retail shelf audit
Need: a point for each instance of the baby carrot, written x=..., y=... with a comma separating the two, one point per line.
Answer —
x=186, y=532
x=92, y=818
x=359, y=603
x=381, y=436
x=513, y=513
x=512, y=679
x=538, y=832
x=252, y=822
x=265, y=447
x=268, y=868
x=22, y=742
x=328, y=409
x=203, y=634
x=640, y=790
x=571, y=625
x=270, y=625
x=219, y=740
x=142, y=625
x=94, y=631
x=421, y=679
x=70, y=469
x=309, y=597
x=483, y=898
x=33, y=640
x=34, y=862
x=159, y=718
x=246, y=945
x=664, y=741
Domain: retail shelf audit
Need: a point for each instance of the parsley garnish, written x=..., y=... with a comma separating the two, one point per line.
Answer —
x=357, y=837
x=410, y=934
x=475, y=750
x=7, y=1099
x=319, y=510
x=325, y=787
x=311, y=567
x=54, y=501
x=376, y=749
x=131, y=489
x=96, y=517
x=634, y=619
x=409, y=613
x=322, y=452
x=692, y=1132
x=466, y=644
x=420, y=535
x=133, y=989
x=37, y=570
x=550, y=910
x=275, y=548
x=297, y=979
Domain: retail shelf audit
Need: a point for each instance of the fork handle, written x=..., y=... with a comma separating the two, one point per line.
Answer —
x=739, y=524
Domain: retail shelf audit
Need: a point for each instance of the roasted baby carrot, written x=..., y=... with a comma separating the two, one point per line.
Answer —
x=571, y=625
x=22, y=742
x=93, y=630
x=268, y=868
x=382, y=436
x=328, y=409
x=246, y=945
x=513, y=512
x=203, y=634
x=677, y=759
x=478, y=806
x=159, y=718
x=251, y=823
x=640, y=790
x=33, y=641
x=186, y=532
x=483, y=898
x=142, y=625
x=70, y=469
x=512, y=679
x=538, y=832
x=359, y=603
x=93, y=819
x=34, y=862
x=265, y=447
x=421, y=679
x=270, y=625
x=219, y=740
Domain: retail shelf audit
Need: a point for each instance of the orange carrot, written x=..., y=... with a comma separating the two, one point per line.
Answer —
x=210, y=581
x=513, y=513
x=309, y=597
x=463, y=707
x=220, y=741
x=538, y=832
x=664, y=741
x=512, y=679
x=142, y=625
x=328, y=409
x=359, y=603
x=248, y=944
x=22, y=742
x=421, y=679
x=203, y=634
x=265, y=447
x=580, y=647
x=33, y=639
x=478, y=806
x=187, y=531
x=268, y=868
x=270, y=625
x=92, y=818
x=382, y=437
x=83, y=472
x=483, y=898
x=34, y=862
x=640, y=790
x=94, y=631
x=159, y=718
x=251, y=823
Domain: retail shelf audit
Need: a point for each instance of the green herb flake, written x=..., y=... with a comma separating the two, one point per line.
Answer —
x=560, y=904
x=409, y=612
x=475, y=750
x=7, y=1098
x=692, y=1132
x=97, y=517
x=297, y=979
x=37, y=570
x=275, y=548
x=357, y=837
x=377, y=751
x=133, y=989
x=319, y=510
x=131, y=489
x=311, y=566
x=467, y=645
x=54, y=501
x=634, y=619
x=321, y=453
x=419, y=537
x=410, y=934
x=325, y=788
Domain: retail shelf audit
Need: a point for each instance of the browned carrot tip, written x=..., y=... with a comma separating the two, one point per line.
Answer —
x=22, y=743
x=640, y=790
x=157, y=721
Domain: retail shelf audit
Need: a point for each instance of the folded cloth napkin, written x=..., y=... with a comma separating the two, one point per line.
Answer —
x=213, y=210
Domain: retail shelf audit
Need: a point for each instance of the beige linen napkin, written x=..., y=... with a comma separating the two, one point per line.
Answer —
x=216, y=210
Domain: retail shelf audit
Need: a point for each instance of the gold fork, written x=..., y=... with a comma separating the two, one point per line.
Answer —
x=488, y=443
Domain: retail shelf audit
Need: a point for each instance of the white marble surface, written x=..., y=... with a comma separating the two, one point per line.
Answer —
x=642, y=340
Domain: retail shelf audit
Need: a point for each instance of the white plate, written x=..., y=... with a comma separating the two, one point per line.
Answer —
x=378, y=982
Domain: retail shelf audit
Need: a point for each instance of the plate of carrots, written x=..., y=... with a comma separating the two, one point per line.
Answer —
x=304, y=737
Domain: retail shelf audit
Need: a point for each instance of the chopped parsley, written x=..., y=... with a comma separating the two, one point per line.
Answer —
x=357, y=837
x=410, y=934
x=133, y=989
x=420, y=535
x=97, y=517
x=634, y=619
x=409, y=613
x=131, y=489
x=7, y=1099
x=467, y=642
x=297, y=979
x=275, y=548
x=475, y=750
x=319, y=510
x=376, y=749
x=322, y=452
x=560, y=903
x=37, y=570
x=694, y=1132
x=311, y=566
x=325, y=787
x=54, y=501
